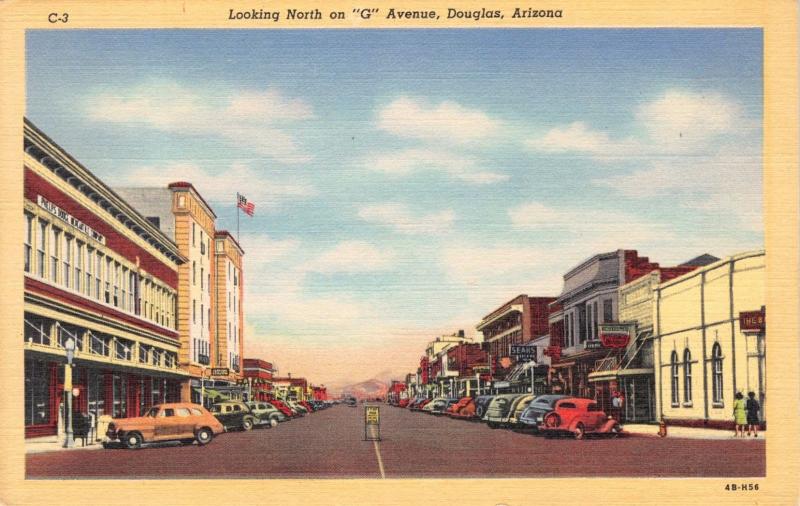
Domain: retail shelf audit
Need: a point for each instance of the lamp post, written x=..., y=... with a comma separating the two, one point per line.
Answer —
x=203, y=386
x=69, y=345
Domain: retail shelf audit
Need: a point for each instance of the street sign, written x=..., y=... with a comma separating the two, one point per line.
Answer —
x=592, y=344
x=372, y=423
x=220, y=371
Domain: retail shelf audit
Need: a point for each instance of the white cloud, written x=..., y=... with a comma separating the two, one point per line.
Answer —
x=253, y=119
x=447, y=122
x=350, y=257
x=579, y=137
x=400, y=218
x=462, y=167
x=221, y=185
x=263, y=251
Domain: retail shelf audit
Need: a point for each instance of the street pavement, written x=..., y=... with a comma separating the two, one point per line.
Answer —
x=329, y=444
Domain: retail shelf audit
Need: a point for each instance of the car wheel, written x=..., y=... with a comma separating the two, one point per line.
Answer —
x=580, y=431
x=247, y=424
x=552, y=420
x=273, y=422
x=133, y=440
x=204, y=436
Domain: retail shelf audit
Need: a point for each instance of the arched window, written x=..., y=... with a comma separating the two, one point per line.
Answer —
x=716, y=367
x=687, y=376
x=675, y=394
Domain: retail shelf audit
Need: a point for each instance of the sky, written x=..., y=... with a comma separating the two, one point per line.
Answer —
x=409, y=182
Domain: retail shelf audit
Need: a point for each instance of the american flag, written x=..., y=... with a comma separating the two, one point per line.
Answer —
x=244, y=205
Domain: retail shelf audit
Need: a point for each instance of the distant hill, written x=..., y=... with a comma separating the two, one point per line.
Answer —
x=368, y=389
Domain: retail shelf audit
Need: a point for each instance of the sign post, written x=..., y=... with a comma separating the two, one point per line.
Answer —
x=372, y=423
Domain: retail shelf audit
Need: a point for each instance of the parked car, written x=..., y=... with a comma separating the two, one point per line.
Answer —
x=466, y=411
x=234, y=415
x=307, y=405
x=422, y=404
x=403, y=402
x=455, y=408
x=498, y=409
x=415, y=403
x=283, y=408
x=301, y=410
x=534, y=413
x=440, y=409
x=267, y=414
x=579, y=417
x=182, y=421
x=351, y=402
x=517, y=408
x=437, y=403
x=481, y=403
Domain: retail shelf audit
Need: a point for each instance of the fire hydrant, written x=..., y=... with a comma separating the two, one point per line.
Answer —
x=662, y=427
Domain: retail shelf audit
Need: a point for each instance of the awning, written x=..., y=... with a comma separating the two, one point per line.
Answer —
x=615, y=373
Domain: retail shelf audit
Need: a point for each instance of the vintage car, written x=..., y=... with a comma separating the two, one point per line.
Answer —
x=234, y=415
x=517, y=409
x=579, y=417
x=413, y=405
x=466, y=411
x=182, y=421
x=403, y=402
x=481, y=403
x=308, y=406
x=283, y=408
x=440, y=409
x=498, y=410
x=437, y=403
x=267, y=414
x=534, y=413
x=455, y=408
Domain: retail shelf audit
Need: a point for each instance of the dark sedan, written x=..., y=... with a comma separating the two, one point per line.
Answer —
x=534, y=413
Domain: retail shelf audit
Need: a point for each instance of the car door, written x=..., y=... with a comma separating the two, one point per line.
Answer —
x=165, y=424
x=184, y=423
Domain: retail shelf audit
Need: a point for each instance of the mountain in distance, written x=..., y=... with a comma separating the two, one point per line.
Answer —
x=369, y=389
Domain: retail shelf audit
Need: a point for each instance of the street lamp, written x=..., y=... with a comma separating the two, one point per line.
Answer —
x=203, y=385
x=69, y=345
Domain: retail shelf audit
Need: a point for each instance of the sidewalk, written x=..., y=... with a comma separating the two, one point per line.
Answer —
x=53, y=444
x=687, y=432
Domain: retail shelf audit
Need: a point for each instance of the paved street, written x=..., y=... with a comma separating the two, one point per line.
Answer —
x=328, y=444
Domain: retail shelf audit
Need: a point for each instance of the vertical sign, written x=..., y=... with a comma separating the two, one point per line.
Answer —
x=372, y=423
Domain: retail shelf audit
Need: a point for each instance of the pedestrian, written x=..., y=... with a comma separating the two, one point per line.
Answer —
x=616, y=404
x=753, y=407
x=739, y=415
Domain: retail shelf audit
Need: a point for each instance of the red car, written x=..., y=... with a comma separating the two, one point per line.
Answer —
x=420, y=405
x=306, y=405
x=286, y=410
x=403, y=403
x=578, y=417
x=456, y=408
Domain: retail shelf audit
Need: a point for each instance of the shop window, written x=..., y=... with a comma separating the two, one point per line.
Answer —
x=716, y=367
x=99, y=344
x=608, y=310
x=68, y=331
x=674, y=377
x=37, y=392
x=123, y=349
x=687, y=376
x=144, y=353
x=120, y=393
x=96, y=393
x=37, y=330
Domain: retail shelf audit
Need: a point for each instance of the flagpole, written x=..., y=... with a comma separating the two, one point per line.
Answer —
x=237, y=220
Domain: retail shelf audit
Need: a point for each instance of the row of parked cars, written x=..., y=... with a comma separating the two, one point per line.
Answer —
x=187, y=422
x=548, y=414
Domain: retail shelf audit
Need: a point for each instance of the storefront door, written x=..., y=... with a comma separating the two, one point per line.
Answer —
x=639, y=399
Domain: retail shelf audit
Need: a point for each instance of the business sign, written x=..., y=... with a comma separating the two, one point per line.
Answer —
x=70, y=220
x=220, y=371
x=501, y=384
x=553, y=352
x=592, y=344
x=615, y=335
x=752, y=321
x=480, y=369
x=372, y=423
x=523, y=353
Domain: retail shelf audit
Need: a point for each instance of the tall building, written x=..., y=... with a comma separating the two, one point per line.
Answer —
x=211, y=275
x=100, y=275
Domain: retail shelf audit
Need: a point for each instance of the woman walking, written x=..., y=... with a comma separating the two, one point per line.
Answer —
x=752, y=408
x=739, y=415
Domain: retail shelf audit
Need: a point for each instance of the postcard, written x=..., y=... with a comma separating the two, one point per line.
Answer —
x=400, y=252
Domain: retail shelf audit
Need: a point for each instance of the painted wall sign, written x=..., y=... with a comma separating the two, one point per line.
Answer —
x=70, y=220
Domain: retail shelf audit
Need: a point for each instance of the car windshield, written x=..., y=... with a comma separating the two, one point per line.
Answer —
x=153, y=412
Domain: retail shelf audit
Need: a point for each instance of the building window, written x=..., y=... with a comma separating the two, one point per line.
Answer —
x=202, y=277
x=98, y=274
x=28, y=240
x=109, y=275
x=674, y=375
x=687, y=376
x=67, y=260
x=193, y=232
x=194, y=311
x=716, y=367
x=78, y=265
x=37, y=330
x=608, y=310
x=40, y=248
x=55, y=243
x=202, y=314
x=194, y=272
x=120, y=392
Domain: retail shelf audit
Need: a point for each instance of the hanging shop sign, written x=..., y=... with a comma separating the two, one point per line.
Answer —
x=523, y=353
x=70, y=220
x=480, y=369
x=615, y=335
x=220, y=371
x=592, y=344
x=752, y=321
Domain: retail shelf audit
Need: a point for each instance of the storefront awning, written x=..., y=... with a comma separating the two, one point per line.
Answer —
x=615, y=373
